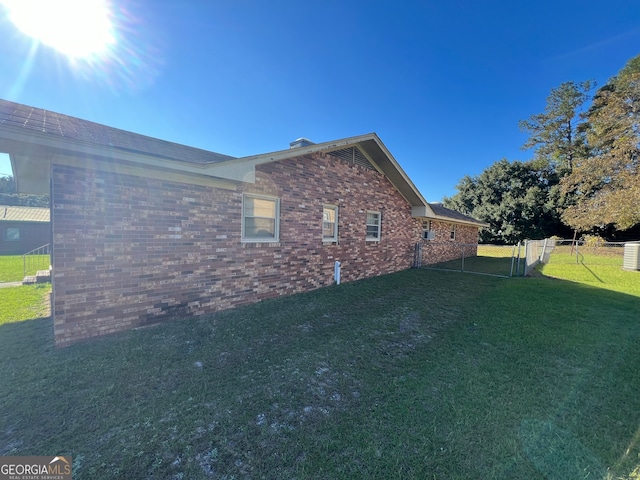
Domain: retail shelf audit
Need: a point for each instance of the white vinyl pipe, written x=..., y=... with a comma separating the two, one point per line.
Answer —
x=336, y=272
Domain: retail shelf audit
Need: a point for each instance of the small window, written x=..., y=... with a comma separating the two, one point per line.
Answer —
x=373, y=226
x=260, y=218
x=329, y=223
x=12, y=234
x=453, y=231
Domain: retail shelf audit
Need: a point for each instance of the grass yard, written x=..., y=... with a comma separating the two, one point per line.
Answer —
x=22, y=303
x=497, y=251
x=598, y=270
x=420, y=374
x=491, y=260
x=12, y=266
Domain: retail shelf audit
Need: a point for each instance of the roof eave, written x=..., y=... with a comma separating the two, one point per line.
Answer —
x=33, y=176
x=459, y=221
x=369, y=144
x=30, y=154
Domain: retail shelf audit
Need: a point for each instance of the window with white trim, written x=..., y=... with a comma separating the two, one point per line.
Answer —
x=260, y=218
x=329, y=223
x=373, y=226
x=452, y=233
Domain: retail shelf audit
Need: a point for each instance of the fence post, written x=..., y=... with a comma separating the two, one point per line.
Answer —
x=544, y=248
x=513, y=256
x=417, y=256
x=462, y=266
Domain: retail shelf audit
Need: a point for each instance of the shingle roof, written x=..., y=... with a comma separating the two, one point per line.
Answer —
x=23, y=214
x=443, y=211
x=45, y=121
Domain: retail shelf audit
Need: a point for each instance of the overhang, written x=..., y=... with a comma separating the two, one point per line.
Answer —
x=442, y=213
x=36, y=138
x=370, y=145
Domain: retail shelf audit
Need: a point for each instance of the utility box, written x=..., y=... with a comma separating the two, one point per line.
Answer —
x=631, y=256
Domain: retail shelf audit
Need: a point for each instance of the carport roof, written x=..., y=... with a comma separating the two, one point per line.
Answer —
x=10, y=213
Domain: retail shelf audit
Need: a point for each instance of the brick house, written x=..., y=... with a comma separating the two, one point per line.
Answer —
x=146, y=230
x=23, y=229
x=448, y=236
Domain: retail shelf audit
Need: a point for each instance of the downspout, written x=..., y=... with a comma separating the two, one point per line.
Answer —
x=336, y=272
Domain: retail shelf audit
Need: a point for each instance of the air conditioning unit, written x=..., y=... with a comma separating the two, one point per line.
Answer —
x=428, y=235
x=631, y=259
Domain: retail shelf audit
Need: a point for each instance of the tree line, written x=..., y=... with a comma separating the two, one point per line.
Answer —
x=583, y=177
x=8, y=195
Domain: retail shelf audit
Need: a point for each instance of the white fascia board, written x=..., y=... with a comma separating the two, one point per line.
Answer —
x=22, y=141
x=240, y=169
x=300, y=151
x=402, y=173
x=224, y=168
x=243, y=168
x=459, y=222
x=422, y=211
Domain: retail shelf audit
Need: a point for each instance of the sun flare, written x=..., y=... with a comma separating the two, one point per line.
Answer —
x=79, y=29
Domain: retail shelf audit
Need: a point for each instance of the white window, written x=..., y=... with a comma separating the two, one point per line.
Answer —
x=260, y=218
x=12, y=234
x=453, y=231
x=330, y=223
x=373, y=226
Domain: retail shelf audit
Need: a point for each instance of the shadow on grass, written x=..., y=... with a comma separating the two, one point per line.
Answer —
x=420, y=374
x=592, y=273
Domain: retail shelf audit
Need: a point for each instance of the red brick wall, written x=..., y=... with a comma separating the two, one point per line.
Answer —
x=130, y=250
x=442, y=248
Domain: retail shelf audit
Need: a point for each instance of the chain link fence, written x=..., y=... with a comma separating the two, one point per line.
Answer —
x=516, y=260
x=587, y=252
x=494, y=260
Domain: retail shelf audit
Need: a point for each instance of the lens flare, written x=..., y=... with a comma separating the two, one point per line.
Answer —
x=75, y=28
x=103, y=42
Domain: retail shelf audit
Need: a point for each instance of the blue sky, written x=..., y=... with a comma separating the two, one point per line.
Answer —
x=443, y=83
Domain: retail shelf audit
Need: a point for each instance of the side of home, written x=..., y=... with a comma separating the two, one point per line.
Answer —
x=129, y=250
x=448, y=236
x=146, y=230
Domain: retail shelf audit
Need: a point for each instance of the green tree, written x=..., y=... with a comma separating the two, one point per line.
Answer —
x=7, y=185
x=8, y=195
x=517, y=199
x=605, y=185
x=557, y=135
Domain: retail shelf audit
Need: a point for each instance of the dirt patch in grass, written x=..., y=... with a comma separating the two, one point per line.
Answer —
x=421, y=374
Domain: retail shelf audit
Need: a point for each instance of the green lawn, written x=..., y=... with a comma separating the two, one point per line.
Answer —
x=26, y=302
x=420, y=374
x=490, y=260
x=12, y=266
x=598, y=270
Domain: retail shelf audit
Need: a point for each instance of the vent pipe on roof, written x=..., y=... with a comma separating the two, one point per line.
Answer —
x=301, y=142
